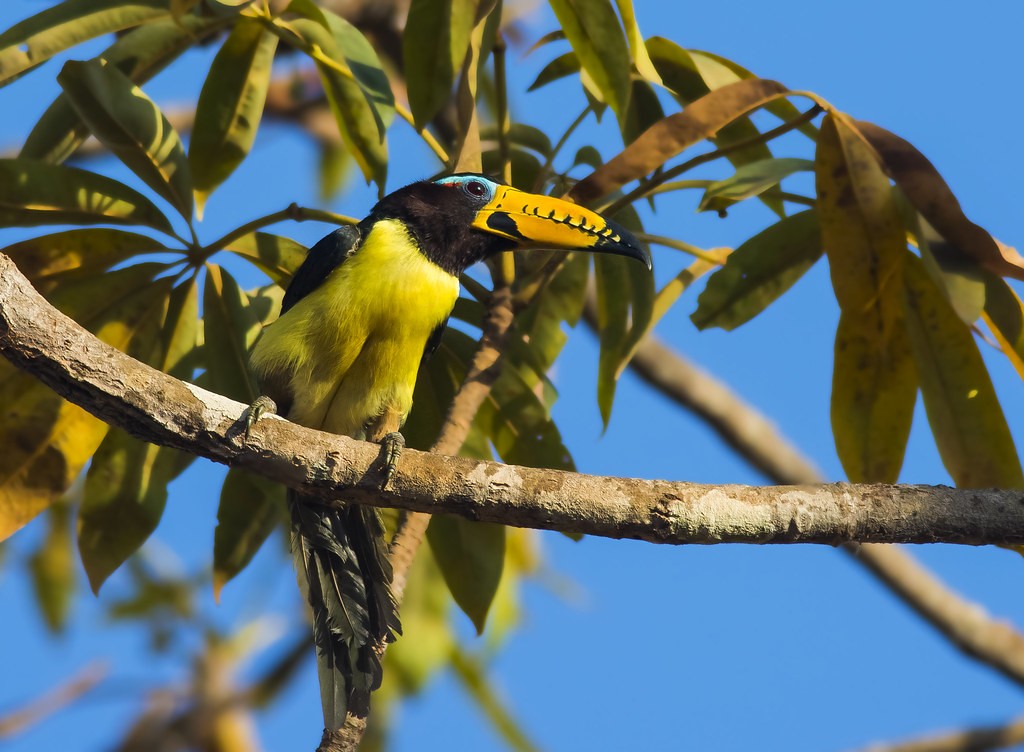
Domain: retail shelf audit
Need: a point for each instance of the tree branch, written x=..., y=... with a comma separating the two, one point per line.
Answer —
x=160, y=409
x=754, y=438
x=979, y=739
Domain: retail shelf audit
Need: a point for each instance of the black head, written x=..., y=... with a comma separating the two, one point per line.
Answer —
x=464, y=218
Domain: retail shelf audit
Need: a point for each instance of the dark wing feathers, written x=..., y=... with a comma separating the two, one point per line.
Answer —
x=323, y=258
x=434, y=341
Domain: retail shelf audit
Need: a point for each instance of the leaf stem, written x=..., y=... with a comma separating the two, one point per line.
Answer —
x=292, y=212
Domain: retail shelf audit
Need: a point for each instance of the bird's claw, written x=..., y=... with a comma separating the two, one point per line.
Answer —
x=262, y=406
x=391, y=447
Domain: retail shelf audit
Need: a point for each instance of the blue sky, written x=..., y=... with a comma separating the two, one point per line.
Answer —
x=725, y=647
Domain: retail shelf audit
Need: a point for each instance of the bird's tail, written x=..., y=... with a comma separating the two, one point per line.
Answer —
x=341, y=562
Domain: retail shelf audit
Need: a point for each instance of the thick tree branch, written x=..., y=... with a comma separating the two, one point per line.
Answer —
x=995, y=643
x=163, y=410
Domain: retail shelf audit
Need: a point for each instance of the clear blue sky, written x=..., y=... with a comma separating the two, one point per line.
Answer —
x=727, y=647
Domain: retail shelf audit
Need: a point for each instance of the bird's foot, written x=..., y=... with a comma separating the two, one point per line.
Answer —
x=391, y=448
x=262, y=406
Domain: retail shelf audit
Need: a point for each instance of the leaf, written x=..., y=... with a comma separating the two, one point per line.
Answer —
x=671, y=135
x=35, y=40
x=89, y=251
x=52, y=567
x=644, y=111
x=126, y=485
x=471, y=556
x=968, y=424
x=751, y=179
x=275, y=255
x=521, y=134
x=335, y=162
x=358, y=114
x=759, y=271
x=231, y=328
x=625, y=303
x=34, y=193
x=1004, y=313
x=562, y=66
x=250, y=508
x=50, y=440
x=140, y=54
x=637, y=47
x=230, y=106
x=874, y=384
x=596, y=36
x=928, y=192
x=961, y=280
x=434, y=46
x=128, y=123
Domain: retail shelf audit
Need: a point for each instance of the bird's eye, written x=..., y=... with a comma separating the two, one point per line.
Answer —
x=476, y=188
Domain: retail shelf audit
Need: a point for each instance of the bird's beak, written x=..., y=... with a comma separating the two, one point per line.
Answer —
x=534, y=221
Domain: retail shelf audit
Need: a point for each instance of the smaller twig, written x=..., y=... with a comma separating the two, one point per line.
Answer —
x=979, y=739
x=645, y=188
x=53, y=701
x=292, y=212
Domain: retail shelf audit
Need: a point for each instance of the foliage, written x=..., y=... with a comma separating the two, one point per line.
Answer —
x=914, y=279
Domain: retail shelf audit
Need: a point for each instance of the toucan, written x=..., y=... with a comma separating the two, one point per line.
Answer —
x=365, y=308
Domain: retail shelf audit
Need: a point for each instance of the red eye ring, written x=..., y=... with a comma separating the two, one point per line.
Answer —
x=476, y=188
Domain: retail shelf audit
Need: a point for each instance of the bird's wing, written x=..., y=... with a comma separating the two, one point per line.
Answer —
x=434, y=341
x=322, y=259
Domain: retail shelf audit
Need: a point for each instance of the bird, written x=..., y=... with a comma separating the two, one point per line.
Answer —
x=365, y=308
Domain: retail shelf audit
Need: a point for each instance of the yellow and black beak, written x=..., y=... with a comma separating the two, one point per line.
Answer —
x=534, y=221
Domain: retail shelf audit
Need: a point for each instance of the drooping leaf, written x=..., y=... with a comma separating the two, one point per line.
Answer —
x=52, y=566
x=34, y=193
x=128, y=123
x=230, y=106
x=1004, y=313
x=50, y=440
x=562, y=66
x=354, y=82
x=671, y=135
x=140, y=54
x=335, y=165
x=960, y=278
x=521, y=134
x=970, y=429
x=276, y=255
x=625, y=304
x=874, y=383
x=928, y=192
x=38, y=38
x=596, y=36
x=471, y=556
x=637, y=47
x=250, y=508
x=751, y=179
x=644, y=110
x=49, y=259
x=759, y=271
x=435, y=44
x=230, y=329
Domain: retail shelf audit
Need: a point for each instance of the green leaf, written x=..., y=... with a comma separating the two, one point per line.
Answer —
x=874, y=384
x=959, y=277
x=970, y=429
x=471, y=556
x=52, y=567
x=751, y=179
x=644, y=111
x=48, y=259
x=521, y=134
x=562, y=66
x=434, y=47
x=596, y=35
x=35, y=40
x=275, y=255
x=125, y=494
x=230, y=329
x=230, y=106
x=362, y=112
x=625, y=305
x=250, y=508
x=759, y=271
x=128, y=123
x=335, y=163
x=140, y=54
x=34, y=193
x=637, y=47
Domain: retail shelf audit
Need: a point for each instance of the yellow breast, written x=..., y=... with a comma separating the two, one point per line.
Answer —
x=351, y=348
